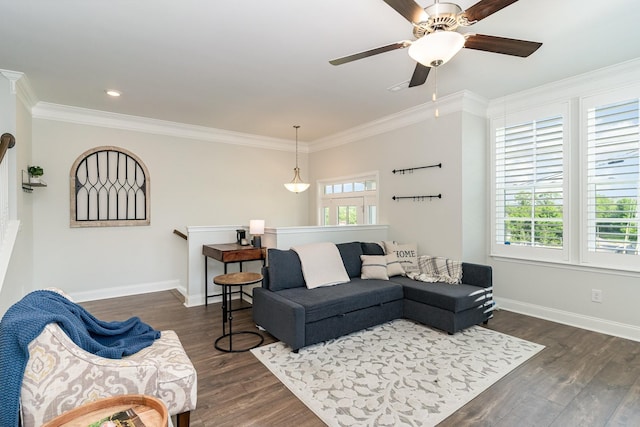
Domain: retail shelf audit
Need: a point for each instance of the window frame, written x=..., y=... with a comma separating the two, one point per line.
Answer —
x=520, y=117
x=587, y=257
x=365, y=198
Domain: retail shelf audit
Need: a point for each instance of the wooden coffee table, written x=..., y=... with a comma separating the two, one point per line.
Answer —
x=227, y=281
x=152, y=412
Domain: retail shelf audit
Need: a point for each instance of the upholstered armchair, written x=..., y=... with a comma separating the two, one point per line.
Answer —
x=60, y=376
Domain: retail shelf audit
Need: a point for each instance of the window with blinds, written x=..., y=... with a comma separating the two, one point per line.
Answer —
x=613, y=177
x=529, y=187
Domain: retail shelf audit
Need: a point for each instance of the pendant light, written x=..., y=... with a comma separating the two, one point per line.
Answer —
x=296, y=185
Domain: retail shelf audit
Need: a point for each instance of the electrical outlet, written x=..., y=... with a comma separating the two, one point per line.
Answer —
x=596, y=295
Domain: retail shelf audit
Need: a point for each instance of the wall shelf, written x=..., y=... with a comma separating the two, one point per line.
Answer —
x=27, y=185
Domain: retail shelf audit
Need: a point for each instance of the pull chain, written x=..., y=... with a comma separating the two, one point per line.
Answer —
x=434, y=98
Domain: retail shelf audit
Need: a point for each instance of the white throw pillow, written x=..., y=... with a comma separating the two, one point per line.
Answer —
x=388, y=246
x=374, y=267
x=394, y=267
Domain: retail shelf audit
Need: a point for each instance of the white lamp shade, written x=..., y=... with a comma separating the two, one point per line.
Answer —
x=256, y=226
x=436, y=48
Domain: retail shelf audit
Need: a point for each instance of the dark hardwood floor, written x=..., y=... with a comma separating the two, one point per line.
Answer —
x=581, y=378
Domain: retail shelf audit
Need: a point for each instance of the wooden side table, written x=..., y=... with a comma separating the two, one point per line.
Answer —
x=228, y=253
x=152, y=412
x=227, y=281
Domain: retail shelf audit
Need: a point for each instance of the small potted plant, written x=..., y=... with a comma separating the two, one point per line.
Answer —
x=35, y=174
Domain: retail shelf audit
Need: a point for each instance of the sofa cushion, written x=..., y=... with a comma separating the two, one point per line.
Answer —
x=322, y=303
x=350, y=253
x=442, y=295
x=371, y=248
x=285, y=270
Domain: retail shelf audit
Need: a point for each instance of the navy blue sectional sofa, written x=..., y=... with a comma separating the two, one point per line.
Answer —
x=299, y=316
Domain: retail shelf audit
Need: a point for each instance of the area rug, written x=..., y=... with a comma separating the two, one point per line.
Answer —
x=400, y=373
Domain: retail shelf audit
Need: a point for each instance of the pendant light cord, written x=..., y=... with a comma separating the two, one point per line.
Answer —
x=296, y=126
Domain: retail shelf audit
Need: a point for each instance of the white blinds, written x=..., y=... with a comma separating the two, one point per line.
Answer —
x=613, y=177
x=529, y=183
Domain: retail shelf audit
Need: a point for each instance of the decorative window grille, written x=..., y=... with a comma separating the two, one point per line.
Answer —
x=529, y=184
x=109, y=188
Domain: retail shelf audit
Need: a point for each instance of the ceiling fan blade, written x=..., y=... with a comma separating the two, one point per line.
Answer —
x=502, y=45
x=420, y=75
x=382, y=49
x=411, y=10
x=484, y=8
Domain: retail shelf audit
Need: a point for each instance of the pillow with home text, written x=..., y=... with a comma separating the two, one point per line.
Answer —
x=407, y=254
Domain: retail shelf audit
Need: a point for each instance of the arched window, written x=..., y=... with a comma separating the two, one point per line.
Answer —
x=109, y=188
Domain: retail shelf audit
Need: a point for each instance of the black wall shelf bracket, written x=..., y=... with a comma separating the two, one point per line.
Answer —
x=418, y=198
x=410, y=170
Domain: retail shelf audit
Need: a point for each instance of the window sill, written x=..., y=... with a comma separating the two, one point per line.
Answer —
x=567, y=265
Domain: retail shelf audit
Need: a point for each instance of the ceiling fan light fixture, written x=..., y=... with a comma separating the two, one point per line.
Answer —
x=437, y=48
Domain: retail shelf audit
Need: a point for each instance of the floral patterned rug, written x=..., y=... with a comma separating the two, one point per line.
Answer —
x=400, y=373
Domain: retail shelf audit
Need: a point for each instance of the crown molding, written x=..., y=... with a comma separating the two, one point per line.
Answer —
x=13, y=77
x=463, y=101
x=26, y=93
x=618, y=75
x=20, y=86
x=85, y=116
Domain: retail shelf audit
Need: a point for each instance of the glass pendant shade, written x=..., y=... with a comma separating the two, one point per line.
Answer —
x=296, y=185
x=436, y=48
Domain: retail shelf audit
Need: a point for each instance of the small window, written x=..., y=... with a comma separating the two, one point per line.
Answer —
x=109, y=187
x=349, y=201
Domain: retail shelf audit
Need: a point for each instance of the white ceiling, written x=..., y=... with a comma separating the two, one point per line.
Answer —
x=261, y=66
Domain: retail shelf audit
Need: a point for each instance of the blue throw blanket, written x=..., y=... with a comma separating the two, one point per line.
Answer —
x=26, y=319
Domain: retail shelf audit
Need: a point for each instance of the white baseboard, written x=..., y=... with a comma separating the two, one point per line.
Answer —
x=123, y=291
x=595, y=324
x=196, y=300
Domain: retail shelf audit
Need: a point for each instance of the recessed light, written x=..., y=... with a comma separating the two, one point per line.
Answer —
x=112, y=92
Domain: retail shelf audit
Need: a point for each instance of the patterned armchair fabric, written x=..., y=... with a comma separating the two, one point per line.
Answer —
x=61, y=376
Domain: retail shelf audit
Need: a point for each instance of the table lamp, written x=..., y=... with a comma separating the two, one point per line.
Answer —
x=256, y=229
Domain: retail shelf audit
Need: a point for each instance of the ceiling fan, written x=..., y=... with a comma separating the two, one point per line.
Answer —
x=437, y=40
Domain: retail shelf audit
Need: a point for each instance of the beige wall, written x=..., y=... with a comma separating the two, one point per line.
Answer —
x=192, y=183
x=435, y=225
